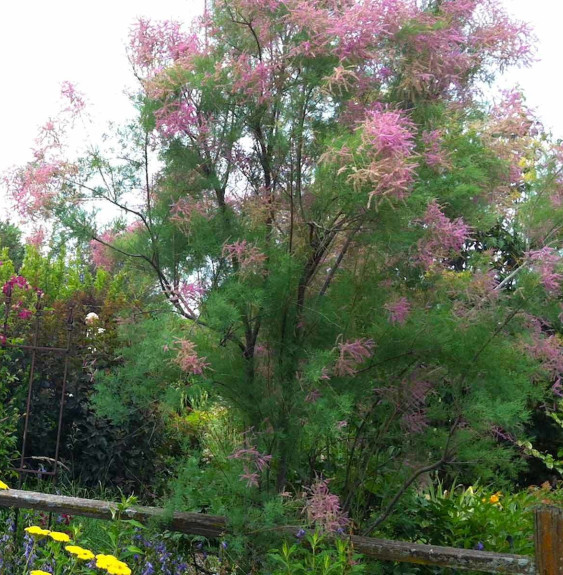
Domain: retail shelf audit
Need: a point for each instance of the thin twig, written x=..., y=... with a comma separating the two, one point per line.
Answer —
x=391, y=506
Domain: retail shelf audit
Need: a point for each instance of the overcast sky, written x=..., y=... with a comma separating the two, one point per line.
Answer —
x=46, y=42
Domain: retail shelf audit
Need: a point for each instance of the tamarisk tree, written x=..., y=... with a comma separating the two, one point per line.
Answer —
x=366, y=255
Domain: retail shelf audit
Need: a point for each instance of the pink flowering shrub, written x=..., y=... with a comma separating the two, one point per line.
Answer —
x=184, y=210
x=21, y=300
x=323, y=509
x=409, y=398
x=278, y=189
x=254, y=464
x=154, y=45
x=188, y=359
x=545, y=347
x=446, y=47
x=388, y=142
x=398, y=310
x=244, y=255
x=36, y=187
x=351, y=354
x=443, y=238
x=102, y=255
x=75, y=100
x=37, y=237
x=435, y=154
x=545, y=262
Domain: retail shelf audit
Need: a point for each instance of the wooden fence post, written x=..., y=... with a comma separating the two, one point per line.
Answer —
x=549, y=540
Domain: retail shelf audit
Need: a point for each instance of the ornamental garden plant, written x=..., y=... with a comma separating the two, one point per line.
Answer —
x=334, y=265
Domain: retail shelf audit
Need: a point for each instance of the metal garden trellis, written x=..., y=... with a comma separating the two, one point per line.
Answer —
x=34, y=349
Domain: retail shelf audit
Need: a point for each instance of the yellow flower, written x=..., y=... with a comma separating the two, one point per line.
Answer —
x=3, y=485
x=39, y=572
x=523, y=163
x=104, y=561
x=37, y=531
x=118, y=568
x=494, y=498
x=59, y=536
x=80, y=552
x=112, y=565
x=85, y=555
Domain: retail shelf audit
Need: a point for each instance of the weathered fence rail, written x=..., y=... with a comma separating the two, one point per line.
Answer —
x=548, y=535
x=193, y=523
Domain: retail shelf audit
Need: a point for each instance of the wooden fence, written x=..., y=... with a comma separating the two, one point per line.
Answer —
x=548, y=558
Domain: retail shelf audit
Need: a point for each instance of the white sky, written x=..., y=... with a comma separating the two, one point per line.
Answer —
x=46, y=42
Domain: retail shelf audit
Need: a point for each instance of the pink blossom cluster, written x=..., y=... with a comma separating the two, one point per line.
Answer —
x=351, y=354
x=548, y=350
x=245, y=255
x=409, y=397
x=10, y=288
x=450, y=44
x=388, y=132
x=176, y=118
x=188, y=295
x=444, y=237
x=254, y=464
x=399, y=310
x=353, y=31
x=191, y=291
x=188, y=359
x=15, y=281
x=438, y=51
x=163, y=55
x=388, y=140
x=546, y=261
x=34, y=186
x=413, y=405
x=510, y=131
x=253, y=78
x=500, y=38
x=75, y=99
x=102, y=256
x=135, y=226
x=556, y=165
x=323, y=508
x=184, y=210
x=154, y=45
x=432, y=51
x=37, y=237
x=361, y=28
x=435, y=155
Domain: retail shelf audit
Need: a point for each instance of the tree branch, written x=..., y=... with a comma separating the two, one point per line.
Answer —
x=391, y=506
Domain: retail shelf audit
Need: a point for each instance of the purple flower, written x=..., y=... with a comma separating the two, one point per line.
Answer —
x=300, y=534
x=28, y=549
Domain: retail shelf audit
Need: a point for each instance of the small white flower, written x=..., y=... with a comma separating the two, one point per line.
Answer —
x=91, y=318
